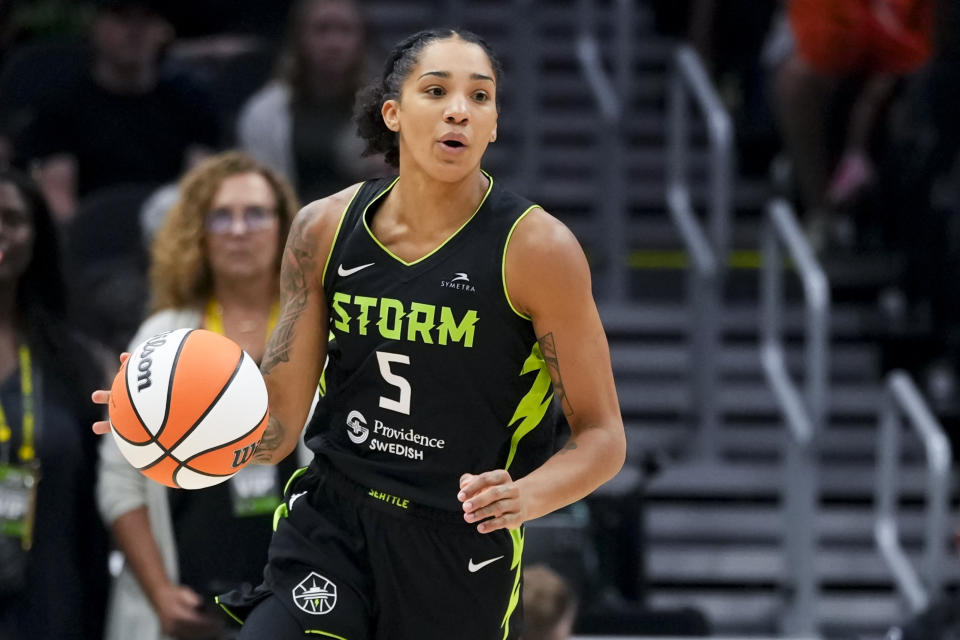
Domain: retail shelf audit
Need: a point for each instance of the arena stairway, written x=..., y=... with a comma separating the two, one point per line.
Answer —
x=713, y=529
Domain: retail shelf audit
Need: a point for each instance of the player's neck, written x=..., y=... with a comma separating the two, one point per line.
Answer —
x=246, y=293
x=425, y=204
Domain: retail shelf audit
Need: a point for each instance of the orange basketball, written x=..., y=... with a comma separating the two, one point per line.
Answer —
x=188, y=408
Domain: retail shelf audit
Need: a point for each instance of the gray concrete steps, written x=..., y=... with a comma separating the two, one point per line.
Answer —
x=653, y=318
x=756, y=611
x=717, y=525
x=764, y=442
x=842, y=484
x=847, y=400
x=660, y=358
x=701, y=564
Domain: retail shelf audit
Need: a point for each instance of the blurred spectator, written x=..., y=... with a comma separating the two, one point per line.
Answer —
x=838, y=41
x=300, y=124
x=122, y=120
x=216, y=266
x=107, y=265
x=549, y=605
x=53, y=578
x=919, y=198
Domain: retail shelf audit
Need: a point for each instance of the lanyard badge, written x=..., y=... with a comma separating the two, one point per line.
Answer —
x=18, y=502
x=18, y=482
x=255, y=491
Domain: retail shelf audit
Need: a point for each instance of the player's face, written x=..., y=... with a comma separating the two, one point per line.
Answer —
x=16, y=233
x=447, y=112
x=242, y=228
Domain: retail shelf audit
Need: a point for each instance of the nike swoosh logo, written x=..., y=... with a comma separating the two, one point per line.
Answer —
x=343, y=273
x=473, y=568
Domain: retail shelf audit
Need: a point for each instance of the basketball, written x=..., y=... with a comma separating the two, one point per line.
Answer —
x=188, y=408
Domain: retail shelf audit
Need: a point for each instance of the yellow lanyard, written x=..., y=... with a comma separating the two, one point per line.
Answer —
x=26, y=452
x=213, y=318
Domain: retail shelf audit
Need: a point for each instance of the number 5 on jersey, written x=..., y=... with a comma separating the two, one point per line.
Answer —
x=385, y=359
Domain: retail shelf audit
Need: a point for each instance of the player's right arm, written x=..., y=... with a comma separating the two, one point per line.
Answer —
x=297, y=348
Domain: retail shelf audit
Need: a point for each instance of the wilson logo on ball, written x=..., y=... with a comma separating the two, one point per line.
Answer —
x=204, y=416
x=240, y=456
x=145, y=362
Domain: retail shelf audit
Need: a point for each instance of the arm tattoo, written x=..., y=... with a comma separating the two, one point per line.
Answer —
x=548, y=348
x=294, y=291
x=270, y=442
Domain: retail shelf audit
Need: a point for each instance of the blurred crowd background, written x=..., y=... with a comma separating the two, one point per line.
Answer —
x=123, y=121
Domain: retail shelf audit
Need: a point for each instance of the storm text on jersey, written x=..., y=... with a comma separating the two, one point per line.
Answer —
x=394, y=320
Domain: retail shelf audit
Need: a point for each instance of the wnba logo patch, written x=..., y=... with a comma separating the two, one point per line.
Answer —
x=315, y=595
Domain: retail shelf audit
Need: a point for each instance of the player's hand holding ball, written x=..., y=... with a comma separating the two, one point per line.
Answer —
x=187, y=408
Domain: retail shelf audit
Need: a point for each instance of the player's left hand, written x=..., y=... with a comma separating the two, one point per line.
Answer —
x=493, y=499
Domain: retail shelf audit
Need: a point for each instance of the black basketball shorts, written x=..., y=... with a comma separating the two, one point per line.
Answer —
x=354, y=563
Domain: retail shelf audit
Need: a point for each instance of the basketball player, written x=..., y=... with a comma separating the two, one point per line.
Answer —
x=453, y=304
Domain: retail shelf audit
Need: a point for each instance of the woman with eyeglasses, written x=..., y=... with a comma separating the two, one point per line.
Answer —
x=215, y=265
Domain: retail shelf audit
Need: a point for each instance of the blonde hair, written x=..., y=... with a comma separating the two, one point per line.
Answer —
x=180, y=271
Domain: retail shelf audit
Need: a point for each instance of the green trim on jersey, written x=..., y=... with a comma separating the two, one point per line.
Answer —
x=336, y=234
x=282, y=511
x=325, y=634
x=293, y=476
x=534, y=405
x=226, y=610
x=503, y=263
x=516, y=535
x=442, y=244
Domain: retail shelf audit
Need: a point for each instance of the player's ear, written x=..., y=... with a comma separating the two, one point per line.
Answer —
x=391, y=116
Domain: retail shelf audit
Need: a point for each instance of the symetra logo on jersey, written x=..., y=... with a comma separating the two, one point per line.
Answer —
x=460, y=281
x=395, y=320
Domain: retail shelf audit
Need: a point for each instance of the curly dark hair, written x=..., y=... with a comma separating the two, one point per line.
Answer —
x=398, y=66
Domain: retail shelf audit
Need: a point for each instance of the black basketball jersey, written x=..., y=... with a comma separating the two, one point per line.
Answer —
x=432, y=373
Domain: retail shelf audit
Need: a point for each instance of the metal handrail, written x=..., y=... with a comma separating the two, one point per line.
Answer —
x=689, y=78
x=703, y=297
x=805, y=413
x=902, y=397
x=610, y=95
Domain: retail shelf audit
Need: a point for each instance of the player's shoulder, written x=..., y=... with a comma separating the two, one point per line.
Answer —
x=315, y=226
x=539, y=235
x=324, y=215
x=544, y=264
